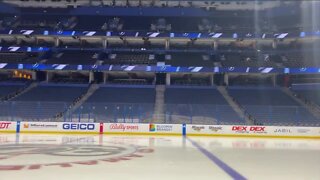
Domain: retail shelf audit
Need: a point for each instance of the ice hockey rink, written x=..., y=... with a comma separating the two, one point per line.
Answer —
x=52, y=157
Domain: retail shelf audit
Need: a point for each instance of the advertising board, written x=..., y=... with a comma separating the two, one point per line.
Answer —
x=165, y=129
x=8, y=126
x=205, y=129
x=59, y=127
x=134, y=128
x=125, y=128
x=159, y=129
x=242, y=130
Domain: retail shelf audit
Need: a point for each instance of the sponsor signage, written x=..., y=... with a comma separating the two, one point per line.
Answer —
x=143, y=128
x=160, y=128
x=58, y=127
x=5, y=125
x=198, y=128
x=205, y=129
x=178, y=129
x=80, y=126
x=215, y=128
x=249, y=129
x=39, y=125
x=303, y=130
x=8, y=126
x=282, y=130
x=124, y=127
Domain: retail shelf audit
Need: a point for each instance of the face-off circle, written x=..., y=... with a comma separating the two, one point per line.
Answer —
x=36, y=156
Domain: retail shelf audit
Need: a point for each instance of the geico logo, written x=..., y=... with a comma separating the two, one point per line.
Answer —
x=78, y=126
x=246, y=128
x=4, y=125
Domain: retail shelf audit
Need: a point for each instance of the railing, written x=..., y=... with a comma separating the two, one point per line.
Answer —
x=143, y=113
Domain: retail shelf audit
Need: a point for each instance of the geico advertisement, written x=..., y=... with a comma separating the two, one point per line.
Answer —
x=55, y=126
x=7, y=125
x=80, y=126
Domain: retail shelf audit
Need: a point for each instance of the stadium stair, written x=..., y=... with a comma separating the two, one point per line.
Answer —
x=73, y=107
x=235, y=106
x=158, y=116
x=311, y=107
x=20, y=92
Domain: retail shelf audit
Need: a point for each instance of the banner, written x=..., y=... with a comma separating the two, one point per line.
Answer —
x=59, y=127
x=158, y=129
x=8, y=126
x=242, y=130
x=165, y=129
x=135, y=128
x=162, y=35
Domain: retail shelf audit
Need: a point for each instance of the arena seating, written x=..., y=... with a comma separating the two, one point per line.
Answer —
x=89, y=57
x=190, y=82
x=74, y=57
x=305, y=59
x=116, y=103
x=130, y=59
x=227, y=21
x=189, y=59
x=271, y=106
x=130, y=81
x=311, y=92
x=149, y=33
x=21, y=57
x=237, y=60
x=8, y=88
x=199, y=106
x=42, y=102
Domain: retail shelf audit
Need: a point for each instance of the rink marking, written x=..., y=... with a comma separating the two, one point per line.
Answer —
x=229, y=170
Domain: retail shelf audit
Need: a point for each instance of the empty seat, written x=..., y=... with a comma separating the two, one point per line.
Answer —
x=117, y=103
x=271, y=106
x=198, y=106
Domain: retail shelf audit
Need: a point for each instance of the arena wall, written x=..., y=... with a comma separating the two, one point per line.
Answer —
x=158, y=129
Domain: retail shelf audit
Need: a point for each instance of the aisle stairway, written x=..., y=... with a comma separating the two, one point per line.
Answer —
x=158, y=116
x=311, y=107
x=73, y=107
x=235, y=106
x=14, y=95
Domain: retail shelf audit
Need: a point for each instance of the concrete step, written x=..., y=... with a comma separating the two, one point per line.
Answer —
x=158, y=115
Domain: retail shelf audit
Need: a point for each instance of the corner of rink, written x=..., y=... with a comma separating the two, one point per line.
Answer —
x=159, y=129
